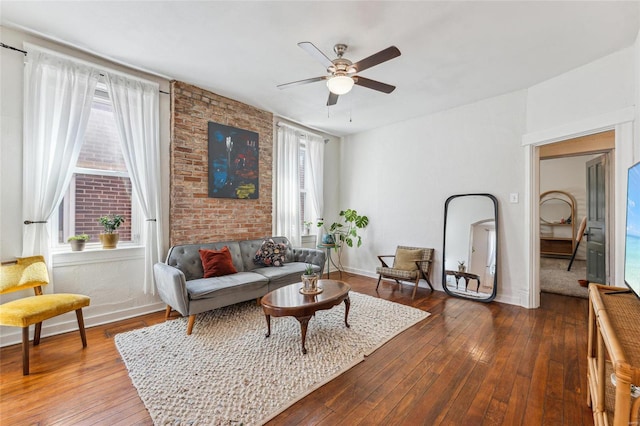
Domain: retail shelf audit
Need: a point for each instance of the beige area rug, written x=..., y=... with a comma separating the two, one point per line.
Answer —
x=554, y=277
x=228, y=373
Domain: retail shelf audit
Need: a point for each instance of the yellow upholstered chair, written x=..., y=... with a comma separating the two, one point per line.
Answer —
x=409, y=264
x=31, y=272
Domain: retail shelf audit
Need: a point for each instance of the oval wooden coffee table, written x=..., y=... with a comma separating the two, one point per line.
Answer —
x=289, y=302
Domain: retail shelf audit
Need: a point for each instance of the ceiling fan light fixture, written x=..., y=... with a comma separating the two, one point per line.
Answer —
x=340, y=84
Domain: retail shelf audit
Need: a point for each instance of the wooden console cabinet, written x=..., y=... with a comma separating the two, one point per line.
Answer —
x=613, y=348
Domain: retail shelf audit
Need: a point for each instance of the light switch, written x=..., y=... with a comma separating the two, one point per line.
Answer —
x=513, y=197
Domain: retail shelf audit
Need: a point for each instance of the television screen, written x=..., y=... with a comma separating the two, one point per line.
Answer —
x=632, y=238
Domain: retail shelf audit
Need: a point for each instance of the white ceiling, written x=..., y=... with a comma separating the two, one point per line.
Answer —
x=453, y=53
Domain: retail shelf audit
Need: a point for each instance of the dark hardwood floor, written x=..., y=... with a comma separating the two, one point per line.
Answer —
x=469, y=363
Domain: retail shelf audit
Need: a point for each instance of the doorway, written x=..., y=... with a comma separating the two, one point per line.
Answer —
x=563, y=167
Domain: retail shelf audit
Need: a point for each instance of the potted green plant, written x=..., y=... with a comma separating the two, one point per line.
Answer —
x=110, y=237
x=345, y=230
x=78, y=241
x=307, y=227
x=309, y=281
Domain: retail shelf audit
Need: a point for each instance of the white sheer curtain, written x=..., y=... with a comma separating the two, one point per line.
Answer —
x=314, y=170
x=58, y=92
x=136, y=112
x=288, y=185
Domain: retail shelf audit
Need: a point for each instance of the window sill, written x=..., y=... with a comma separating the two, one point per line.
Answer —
x=96, y=254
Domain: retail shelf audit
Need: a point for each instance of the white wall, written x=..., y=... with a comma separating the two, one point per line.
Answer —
x=401, y=175
x=113, y=279
x=598, y=96
x=597, y=88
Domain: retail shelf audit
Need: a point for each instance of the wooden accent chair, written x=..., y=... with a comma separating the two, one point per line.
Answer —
x=31, y=272
x=579, y=235
x=409, y=264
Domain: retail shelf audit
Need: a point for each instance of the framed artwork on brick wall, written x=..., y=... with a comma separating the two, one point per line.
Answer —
x=233, y=162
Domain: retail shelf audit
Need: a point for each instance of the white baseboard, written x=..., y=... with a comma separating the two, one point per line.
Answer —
x=15, y=334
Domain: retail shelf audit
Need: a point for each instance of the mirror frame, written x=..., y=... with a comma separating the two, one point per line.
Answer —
x=444, y=247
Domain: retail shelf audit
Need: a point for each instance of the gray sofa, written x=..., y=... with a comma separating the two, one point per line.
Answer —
x=182, y=287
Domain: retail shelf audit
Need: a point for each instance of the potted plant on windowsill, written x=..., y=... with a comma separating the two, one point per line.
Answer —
x=78, y=241
x=307, y=227
x=110, y=237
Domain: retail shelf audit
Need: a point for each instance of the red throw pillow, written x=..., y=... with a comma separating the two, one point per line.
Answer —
x=217, y=263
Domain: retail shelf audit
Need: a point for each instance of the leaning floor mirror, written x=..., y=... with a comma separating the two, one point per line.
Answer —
x=470, y=248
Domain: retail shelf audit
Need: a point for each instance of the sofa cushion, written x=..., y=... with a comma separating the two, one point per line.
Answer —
x=271, y=253
x=205, y=288
x=216, y=263
x=289, y=273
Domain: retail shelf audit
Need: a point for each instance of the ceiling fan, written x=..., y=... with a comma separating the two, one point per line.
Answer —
x=341, y=72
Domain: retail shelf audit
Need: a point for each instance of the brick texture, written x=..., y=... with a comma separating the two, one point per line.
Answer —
x=97, y=196
x=194, y=217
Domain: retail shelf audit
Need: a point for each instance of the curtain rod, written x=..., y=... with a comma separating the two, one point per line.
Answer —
x=300, y=129
x=24, y=52
x=6, y=46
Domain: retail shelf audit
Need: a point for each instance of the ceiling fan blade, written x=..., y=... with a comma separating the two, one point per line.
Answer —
x=373, y=84
x=333, y=99
x=299, y=82
x=377, y=58
x=312, y=50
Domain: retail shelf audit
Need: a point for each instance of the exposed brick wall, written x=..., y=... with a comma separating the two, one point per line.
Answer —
x=193, y=216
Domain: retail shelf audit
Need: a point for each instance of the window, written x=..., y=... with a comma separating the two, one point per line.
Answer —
x=304, y=213
x=100, y=184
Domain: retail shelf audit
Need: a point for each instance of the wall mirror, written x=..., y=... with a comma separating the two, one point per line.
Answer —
x=470, y=249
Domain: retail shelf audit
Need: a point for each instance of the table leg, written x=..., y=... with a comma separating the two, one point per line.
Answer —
x=304, y=322
x=268, y=317
x=347, y=305
x=328, y=263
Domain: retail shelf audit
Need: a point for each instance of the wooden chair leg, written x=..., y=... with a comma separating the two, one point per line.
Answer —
x=192, y=320
x=25, y=351
x=429, y=282
x=379, y=278
x=167, y=312
x=83, y=334
x=399, y=285
x=426, y=278
x=37, y=333
x=415, y=288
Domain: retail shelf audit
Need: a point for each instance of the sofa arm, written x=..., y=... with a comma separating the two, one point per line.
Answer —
x=313, y=256
x=172, y=287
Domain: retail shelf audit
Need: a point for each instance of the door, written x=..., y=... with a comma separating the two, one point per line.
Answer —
x=596, y=220
x=483, y=253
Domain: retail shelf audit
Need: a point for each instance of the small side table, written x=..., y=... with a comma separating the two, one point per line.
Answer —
x=466, y=276
x=328, y=247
